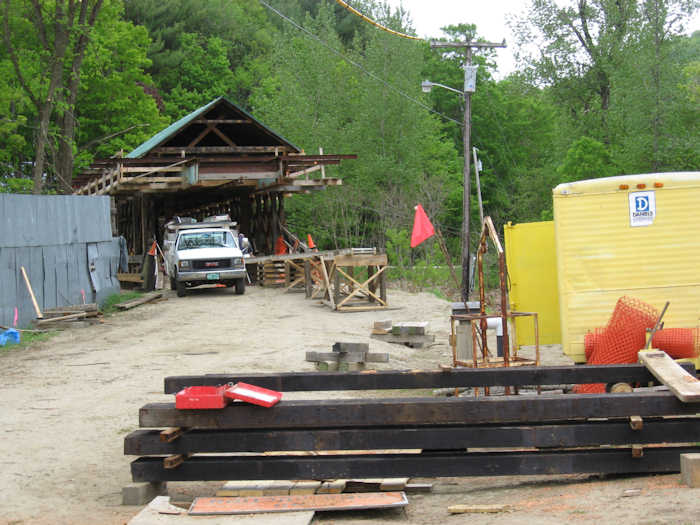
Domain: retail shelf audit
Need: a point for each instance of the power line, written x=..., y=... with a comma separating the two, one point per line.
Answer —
x=374, y=23
x=359, y=66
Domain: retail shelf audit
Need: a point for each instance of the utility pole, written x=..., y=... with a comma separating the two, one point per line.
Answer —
x=469, y=88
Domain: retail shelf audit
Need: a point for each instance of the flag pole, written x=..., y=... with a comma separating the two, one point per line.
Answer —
x=443, y=247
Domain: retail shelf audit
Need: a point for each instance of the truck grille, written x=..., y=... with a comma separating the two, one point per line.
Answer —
x=211, y=264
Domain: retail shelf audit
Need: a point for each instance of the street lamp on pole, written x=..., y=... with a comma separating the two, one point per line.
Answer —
x=469, y=82
x=469, y=88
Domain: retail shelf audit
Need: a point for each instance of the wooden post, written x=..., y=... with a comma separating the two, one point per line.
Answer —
x=336, y=287
x=308, y=284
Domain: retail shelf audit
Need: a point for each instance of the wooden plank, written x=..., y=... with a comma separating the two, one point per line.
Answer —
x=404, y=339
x=478, y=509
x=405, y=379
x=141, y=300
x=347, y=357
x=173, y=461
x=686, y=387
x=442, y=464
x=416, y=411
x=584, y=434
x=70, y=317
x=351, y=347
x=89, y=307
x=346, y=308
x=328, y=255
x=409, y=328
x=130, y=277
x=37, y=310
x=336, y=486
x=170, y=434
x=294, y=503
x=304, y=487
x=362, y=260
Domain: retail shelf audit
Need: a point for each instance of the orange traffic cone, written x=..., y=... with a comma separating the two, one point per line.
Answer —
x=152, y=251
x=311, y=244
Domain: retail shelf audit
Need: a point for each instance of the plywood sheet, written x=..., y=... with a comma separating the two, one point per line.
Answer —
x=316, y=502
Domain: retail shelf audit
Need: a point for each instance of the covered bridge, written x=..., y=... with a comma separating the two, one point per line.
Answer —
x=217, y=160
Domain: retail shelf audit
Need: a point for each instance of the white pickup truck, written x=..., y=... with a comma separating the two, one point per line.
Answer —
x=204, y=253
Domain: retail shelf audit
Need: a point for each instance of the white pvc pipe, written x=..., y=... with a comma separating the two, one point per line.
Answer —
x=495, y=323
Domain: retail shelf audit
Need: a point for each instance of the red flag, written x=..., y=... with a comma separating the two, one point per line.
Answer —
x=422, y=227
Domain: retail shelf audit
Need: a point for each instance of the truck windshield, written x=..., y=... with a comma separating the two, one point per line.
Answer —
x=216, y=239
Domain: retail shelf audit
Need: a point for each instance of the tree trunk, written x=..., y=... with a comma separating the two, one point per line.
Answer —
x=64, y=164
x=41, y=138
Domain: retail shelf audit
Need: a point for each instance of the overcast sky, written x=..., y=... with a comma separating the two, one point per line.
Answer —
x=429, y=16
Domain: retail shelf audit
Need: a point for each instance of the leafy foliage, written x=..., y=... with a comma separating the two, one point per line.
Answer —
x=612, y=87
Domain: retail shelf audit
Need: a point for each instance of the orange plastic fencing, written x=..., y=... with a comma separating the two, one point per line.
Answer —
x=626, y=334
x=679, y=343
x=621, y=339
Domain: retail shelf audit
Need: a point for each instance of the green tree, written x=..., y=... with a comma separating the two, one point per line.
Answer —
x=241, y=30
x=578, y=46
x=46, y=42
x=318, y=98
x=203, y=75
x=113, y=109
x=586, y=159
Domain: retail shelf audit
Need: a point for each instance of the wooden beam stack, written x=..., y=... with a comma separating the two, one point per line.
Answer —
x=373, y=437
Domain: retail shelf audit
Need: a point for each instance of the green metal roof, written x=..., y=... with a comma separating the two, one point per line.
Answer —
x=175, y=127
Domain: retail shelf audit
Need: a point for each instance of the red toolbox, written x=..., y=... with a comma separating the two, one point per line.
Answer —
x=201, y=397
x=253, y=394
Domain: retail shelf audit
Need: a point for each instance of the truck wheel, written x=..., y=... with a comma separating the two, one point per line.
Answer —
x=180, y=287
x=240, y=286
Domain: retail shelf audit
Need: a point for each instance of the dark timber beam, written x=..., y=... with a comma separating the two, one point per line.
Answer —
x=221, y=149
x=222, y=121
x=567, y=435
x=404, y=379
x=611, y=461
x=348, y=413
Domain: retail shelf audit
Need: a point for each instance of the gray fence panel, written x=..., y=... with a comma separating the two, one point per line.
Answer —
x=30, y=259
x=48, y=235
x=49, y=257
x=45, y=220
x=62, y=285
x=8, y=286
x=79, y=275
x=101, y=261
x=92, y=219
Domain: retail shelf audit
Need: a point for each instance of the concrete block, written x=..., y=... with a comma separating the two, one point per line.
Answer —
x=409, y=328
x=690, y=469
x=142, y=492
x=351, y=347
x=327, y=366
x=351, y=367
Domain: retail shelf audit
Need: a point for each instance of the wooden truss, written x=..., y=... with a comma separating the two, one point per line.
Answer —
x=343, y=292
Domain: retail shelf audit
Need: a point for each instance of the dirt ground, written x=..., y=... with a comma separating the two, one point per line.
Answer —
x=67, y=404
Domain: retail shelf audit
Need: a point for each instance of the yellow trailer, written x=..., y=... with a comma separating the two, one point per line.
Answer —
x=635, y=235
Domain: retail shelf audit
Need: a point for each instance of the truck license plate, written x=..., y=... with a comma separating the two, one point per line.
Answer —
x=213, y=276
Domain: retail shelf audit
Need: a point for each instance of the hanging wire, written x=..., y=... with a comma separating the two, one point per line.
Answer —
x=374, y=23
x=360, y=67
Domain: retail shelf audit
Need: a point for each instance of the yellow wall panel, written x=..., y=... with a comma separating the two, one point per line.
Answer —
x=531, y=262
x=601, y=256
